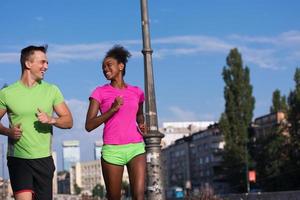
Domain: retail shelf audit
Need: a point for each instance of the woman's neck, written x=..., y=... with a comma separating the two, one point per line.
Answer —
x=118, y=84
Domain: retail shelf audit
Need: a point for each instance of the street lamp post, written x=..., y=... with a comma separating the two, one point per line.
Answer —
x=155, y=190
x=247, y=170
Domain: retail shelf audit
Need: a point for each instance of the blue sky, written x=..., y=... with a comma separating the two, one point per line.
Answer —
x=190, y=40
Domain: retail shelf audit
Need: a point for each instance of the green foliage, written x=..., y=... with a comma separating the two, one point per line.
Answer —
x=294, y=120
x=272, y=155
x=234, y=122
x=294, y=105
x=77, y=189
x=278, y=156
x=98, y=191
x=279, y=102
x=126, y=188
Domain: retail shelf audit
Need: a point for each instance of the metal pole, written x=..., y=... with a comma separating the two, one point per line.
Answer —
x=155, y=190
x=247, y=168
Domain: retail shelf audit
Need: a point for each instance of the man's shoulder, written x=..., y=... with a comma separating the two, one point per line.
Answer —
x=10, y=87
x=49, y=85
x=46, y=84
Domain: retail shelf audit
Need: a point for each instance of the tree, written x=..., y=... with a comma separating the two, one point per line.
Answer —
x=279, y=102
x=294, y=120
x=272, y=155
x=98, y=191
x=126, y=188
x=234, y=122
x=77, y=189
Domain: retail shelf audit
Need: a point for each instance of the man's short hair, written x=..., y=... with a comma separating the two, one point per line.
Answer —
x=29, y=51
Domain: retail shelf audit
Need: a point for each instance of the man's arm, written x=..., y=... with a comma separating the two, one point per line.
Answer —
x=63, y=120
x=15, y=132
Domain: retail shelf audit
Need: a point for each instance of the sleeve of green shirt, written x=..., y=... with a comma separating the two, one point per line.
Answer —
x=58, y=97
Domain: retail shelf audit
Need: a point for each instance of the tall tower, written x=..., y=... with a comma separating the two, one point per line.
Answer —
x=54, y=181
x=71, y=153
x=97, y=149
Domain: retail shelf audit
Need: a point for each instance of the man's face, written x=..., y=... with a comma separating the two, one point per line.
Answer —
x=38, y=65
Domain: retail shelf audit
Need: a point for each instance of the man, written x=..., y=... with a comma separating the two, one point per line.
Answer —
x=29, y=104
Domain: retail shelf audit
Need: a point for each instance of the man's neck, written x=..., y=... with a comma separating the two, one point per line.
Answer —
x=27, y=79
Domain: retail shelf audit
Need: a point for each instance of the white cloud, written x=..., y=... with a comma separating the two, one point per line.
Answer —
x=180, y=114
x=78, y=109
x=289, y=38
x=265, y=58
x=9, y=57
x=295, y=56
x=177, y=113
x=262, y=51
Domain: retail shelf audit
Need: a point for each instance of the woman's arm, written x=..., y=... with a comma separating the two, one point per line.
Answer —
x=93, y=120
x=140, y=119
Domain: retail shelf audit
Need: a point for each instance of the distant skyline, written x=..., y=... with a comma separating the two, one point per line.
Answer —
x=190, y=40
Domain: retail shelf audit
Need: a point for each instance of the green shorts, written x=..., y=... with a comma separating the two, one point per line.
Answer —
x=122, y=154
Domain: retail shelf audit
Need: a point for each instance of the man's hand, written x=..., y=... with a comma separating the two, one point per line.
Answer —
x=15, y=132
x=44, y=118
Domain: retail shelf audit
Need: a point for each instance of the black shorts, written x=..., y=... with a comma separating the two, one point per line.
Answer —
x=34, y=175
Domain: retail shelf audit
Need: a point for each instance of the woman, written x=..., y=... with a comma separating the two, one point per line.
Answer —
x=121, y=111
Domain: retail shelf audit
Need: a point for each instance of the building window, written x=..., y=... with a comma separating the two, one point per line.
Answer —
x=200, y=161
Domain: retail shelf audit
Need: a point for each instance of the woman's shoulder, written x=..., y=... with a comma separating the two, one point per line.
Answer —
x=102, y=87
x=133, y=87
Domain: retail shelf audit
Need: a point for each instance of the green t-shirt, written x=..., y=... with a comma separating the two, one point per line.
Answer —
x=21, y=104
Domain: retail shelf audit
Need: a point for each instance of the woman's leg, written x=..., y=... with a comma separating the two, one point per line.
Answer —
x=137, y=173
x=113, y=179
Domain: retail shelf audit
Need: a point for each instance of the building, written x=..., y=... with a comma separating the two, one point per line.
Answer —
x=5, y=189
x=177, y=130
x=97, y=150
x=206, y=149
x=71, y=153
x=194, y=162
x=66, y=197
x=63, y=182
x=54, y=156
x=268, y=124
x=86, y=175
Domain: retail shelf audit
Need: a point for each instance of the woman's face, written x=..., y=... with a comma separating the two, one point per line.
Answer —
x=111, y=68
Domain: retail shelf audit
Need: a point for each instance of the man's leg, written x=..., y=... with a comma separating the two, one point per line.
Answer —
x=23, y=196
x=20, y=175
x=43, y=169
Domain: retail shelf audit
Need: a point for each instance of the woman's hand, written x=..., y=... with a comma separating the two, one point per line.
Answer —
x=117, y=104
x=142, y=129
